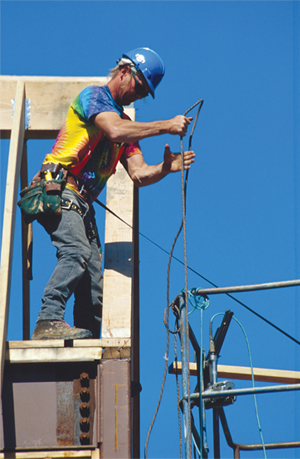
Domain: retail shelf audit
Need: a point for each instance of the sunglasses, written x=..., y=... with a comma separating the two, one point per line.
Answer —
x=139, y=88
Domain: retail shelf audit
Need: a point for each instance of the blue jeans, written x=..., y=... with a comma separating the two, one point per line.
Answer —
x=78, y=268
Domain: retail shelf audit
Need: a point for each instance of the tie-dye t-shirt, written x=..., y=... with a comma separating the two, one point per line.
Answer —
x=80, y=141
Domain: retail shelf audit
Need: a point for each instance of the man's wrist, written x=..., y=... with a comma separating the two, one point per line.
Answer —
x=166, y=125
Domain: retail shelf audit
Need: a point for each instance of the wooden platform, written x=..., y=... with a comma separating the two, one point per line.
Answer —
x=82, y=454
x=66, y=351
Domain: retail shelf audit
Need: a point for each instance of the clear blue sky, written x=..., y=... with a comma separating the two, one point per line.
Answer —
x=243, y=223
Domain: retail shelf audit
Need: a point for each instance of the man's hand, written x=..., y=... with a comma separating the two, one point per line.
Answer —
x=172, y=161
x=179, y=125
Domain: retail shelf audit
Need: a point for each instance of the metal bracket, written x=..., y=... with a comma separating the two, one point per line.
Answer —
x=27, y=111
x=219, y=386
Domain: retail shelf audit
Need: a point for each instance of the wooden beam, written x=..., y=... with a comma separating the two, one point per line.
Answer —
x=60, y=343
x=54, y=354
x=119, y=256
x=244, y=373
x=41, y=351
x=26, y=254
x=13, y=173
x=82, y=454
x=49, y=97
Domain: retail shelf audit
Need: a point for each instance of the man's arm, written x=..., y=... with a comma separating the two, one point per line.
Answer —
x=142, y=174
x=123, y=130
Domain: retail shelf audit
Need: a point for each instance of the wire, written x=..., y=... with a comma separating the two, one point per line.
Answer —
x=252, y=377
x=166, y=318
x=196, y=301
x=202, y=277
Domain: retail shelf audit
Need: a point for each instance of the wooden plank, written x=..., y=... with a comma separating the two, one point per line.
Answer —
x=60, y=343
x=260, y=374
x=53, y=354
x=56, y=351
x=50, y=98
x=244, y=373
x=13, y=172
x=83, y=454
x=119, y=255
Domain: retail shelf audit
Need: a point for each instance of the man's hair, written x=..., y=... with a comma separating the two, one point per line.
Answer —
x=121, y=63
x=113, y=72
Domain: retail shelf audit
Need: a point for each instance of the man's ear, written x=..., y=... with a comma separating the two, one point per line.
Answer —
x=124, y=71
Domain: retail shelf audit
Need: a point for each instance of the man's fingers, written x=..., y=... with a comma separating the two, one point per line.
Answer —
x=187, y=121
x=189, y=154
x=167, y=148
x=179, y=125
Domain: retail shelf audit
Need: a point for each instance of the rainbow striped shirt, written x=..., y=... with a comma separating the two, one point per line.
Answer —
x=80, y=141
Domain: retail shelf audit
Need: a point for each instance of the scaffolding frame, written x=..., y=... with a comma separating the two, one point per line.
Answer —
x=216, y=397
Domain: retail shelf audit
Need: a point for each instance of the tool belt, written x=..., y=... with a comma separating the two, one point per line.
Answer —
x=43, y=196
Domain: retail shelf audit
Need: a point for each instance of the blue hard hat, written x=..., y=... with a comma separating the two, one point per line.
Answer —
x=149, y=64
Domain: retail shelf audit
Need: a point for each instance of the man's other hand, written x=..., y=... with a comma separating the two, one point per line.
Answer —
x=172, y=161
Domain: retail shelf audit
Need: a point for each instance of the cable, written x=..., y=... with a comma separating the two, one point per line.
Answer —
x=166, y=320
x=197, y=302
x=252, y=377
x=202, y=277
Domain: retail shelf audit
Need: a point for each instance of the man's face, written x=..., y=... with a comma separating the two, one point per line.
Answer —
x=132, y=88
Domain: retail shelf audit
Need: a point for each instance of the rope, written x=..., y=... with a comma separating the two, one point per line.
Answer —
x=183, y=189
x=166, y=318
x=183, y=192
x=178, y=397
x=198, y=302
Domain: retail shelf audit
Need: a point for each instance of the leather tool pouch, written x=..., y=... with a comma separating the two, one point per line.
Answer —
x=42, y=198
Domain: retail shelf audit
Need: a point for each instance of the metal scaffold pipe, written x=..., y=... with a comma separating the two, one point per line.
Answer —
x=247, y=391
x=246, y=288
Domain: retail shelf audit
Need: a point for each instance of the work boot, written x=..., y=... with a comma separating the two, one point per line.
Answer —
x=56, y=329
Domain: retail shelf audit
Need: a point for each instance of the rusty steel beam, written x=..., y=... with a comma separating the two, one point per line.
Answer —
x=114, y=417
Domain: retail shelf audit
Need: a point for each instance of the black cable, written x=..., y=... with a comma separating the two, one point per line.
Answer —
x=202, y=277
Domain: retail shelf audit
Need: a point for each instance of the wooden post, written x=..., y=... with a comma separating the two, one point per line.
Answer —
x=26, y=254
x=135, y=331
x=119, y=255
x=121, y=277
x=13, y=172
x=118, y=267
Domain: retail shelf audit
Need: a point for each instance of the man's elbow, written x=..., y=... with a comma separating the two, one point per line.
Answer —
x=137, y=180
x=114, y=134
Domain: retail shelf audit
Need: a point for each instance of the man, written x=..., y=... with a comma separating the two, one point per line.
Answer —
x=95, y=136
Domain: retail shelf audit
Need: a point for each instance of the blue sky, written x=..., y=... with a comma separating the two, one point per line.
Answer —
x=243, y=225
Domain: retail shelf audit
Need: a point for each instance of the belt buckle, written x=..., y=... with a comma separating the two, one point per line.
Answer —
x=69, y=205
